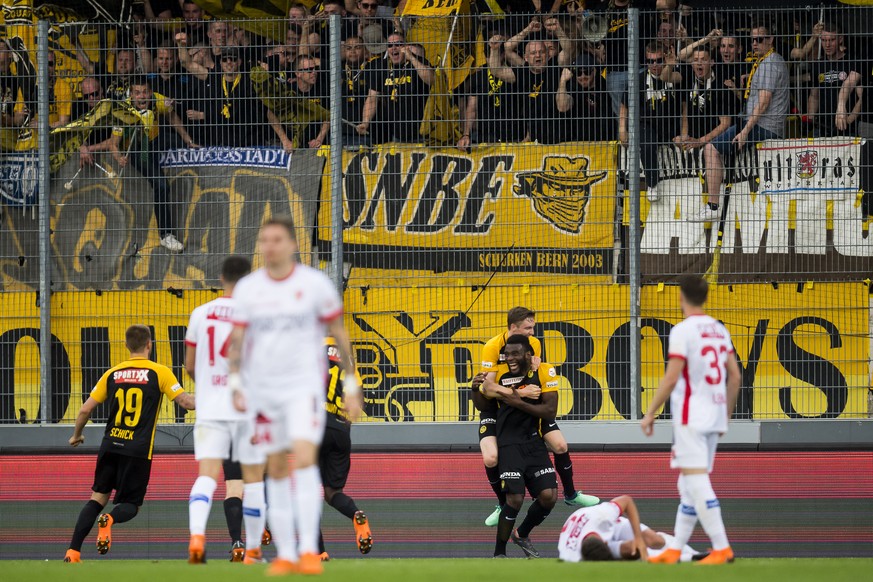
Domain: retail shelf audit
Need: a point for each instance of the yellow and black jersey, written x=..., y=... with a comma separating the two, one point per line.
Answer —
x=336, y=412
x=515, y=426
x=492, y=353
x=134, y=389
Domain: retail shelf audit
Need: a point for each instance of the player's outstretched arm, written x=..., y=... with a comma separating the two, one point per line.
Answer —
x=629, y=508
x=665, y=388
x=81, y=420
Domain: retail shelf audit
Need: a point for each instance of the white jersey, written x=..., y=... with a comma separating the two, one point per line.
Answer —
x=600, y=519
x=285, y=321
x=209, y=332
x=699, y=400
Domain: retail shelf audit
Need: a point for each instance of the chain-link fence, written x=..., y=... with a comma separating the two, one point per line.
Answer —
x=574, y=162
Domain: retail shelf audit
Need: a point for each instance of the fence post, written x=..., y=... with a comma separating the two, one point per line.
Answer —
x=633, y=164
x=336, y=154
x=45, y=269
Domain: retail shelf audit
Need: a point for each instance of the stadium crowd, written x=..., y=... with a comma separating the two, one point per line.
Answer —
x=545, y=71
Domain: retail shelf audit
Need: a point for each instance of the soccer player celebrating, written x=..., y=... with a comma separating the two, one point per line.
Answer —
x=220, y=428
x=702, y=381
x=524, y=396
x=334, y=456
x=520, y=320
x=277, y=368
x=135, y=388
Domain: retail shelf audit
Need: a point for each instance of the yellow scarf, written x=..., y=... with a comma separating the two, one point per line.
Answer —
x=225, y=111
x=752, y=73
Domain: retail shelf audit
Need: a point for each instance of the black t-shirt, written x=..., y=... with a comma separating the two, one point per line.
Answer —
x=827, y=77
x=9, y=86
x=179, y=87
x=536, y=98
x=403, y=96
x=591, y=117
x=496, y=108
x=237, y=118
x=707, y=100
x=318, y=95
x=660, y=104
x=355, y=90
x=735, y=73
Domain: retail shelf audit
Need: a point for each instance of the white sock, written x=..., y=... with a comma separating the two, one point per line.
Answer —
x=686, y=516
x=281, y=513
x=308, y=499
x=708, y=509
x=200, y=503
x=254, y=513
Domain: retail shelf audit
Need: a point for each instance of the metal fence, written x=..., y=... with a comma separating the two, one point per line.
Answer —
x=575, y=163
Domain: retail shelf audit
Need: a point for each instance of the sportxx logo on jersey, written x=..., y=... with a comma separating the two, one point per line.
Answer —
x=560, y=190
x=132, y=376
x=807, y=163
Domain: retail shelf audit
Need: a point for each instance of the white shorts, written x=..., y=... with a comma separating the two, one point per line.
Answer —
x=226, y=439
x=693, y=449
x=303, y=419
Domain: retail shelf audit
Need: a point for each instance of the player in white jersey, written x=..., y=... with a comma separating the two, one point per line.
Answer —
x=702, y=380
x=220, y=428
x=278, y=370
x=588, y=531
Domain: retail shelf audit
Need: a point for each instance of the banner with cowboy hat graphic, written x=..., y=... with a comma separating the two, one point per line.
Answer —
x=524, y=208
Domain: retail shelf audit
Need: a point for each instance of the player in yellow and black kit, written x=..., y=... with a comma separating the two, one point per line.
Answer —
x=135, y=389
x=334, y=457
x=524, y=396
x=520, y=320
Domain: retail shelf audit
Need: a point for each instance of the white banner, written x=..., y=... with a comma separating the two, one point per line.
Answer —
x=825, y=167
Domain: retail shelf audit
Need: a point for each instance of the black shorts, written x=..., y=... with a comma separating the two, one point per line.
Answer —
x=129, y=476
x=487, y=425
x=526, y=466
x=547, y=426
x=232, y=470
x=334, y=457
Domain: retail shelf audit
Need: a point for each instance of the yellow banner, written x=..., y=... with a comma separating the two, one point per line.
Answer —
x=435, y=7
x=523, y=208
x=803, y=354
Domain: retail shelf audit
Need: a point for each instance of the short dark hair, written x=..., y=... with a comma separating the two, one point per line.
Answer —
x=137, y=337
x=140, y=80
x=654, y=47
x=235, y=268
x=521, y=340
x=694, y=288
x=338, y=2
x=762, y=23
x=702, y=49
x=285, y=222
x=517, y=315
x=832, y=27
x=594, y=549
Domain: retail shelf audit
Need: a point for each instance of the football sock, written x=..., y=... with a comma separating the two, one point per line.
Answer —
x=86, y=520
x=536, y=514
x=233, y=515
x=281, y=514
x=308, y=509
x=254, y=510
x=199, y=504
x=123, y=512
x=493, y=474
x=708, y=509
x=344, y=504
x=321, y=548
x=564, y=468
x=686, y=516
x=504, y=528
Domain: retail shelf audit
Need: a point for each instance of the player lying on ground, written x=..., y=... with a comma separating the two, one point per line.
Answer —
x=220, y=429
x=277, y=368
x=522, y=321
x=603, y=533
x=702, y=381
x=135, y=390
x=524, y=396
x=334, y=456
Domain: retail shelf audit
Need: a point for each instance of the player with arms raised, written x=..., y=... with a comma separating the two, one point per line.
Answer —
x=278, y=370
x=524, y=397
x=220, y=428
x=521, y=321
x=334, y=457
x=135, y=389
x=702, y=381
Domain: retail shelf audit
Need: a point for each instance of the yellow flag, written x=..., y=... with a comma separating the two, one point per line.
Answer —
x=440, y=126
x=435, y=7
x=449, y=40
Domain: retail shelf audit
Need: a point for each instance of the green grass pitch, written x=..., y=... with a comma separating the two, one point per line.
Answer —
x=442, y=570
